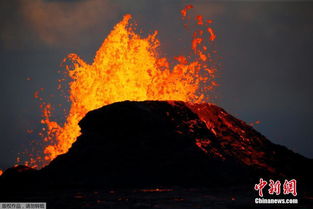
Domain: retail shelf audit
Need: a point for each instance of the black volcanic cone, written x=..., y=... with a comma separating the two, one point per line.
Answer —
x=167, y=142
x=140, y=143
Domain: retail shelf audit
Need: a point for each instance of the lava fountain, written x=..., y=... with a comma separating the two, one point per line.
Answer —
x=128, y=67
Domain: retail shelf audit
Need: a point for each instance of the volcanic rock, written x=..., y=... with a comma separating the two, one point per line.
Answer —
x=169, y=143
x=19, y=175
x=140, y=143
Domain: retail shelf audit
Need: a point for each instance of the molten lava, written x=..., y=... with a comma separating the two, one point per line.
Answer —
x=128, y=67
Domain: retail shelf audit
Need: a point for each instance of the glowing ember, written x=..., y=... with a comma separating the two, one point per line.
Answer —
x=255, y=123
x=1, y=172
x=185, y=10
x=156, y=190
x=128, y=67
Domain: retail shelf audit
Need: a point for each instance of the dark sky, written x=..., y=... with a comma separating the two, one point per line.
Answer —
x=266, y=66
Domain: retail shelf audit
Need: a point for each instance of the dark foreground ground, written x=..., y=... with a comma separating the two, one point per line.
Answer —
x=145, y=198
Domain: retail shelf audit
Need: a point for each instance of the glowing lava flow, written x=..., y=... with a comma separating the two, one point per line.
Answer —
x=128, y=67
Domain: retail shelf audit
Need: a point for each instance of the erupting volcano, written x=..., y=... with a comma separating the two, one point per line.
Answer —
x=129, y=67
x=138, y=128
x=140, y=122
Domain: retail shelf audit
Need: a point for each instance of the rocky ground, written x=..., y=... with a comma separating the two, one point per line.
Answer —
x=146, y=198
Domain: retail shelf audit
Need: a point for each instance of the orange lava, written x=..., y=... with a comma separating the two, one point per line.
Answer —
x=1, y=172
x=156, y=190
x=128, y=67
x=185, y=10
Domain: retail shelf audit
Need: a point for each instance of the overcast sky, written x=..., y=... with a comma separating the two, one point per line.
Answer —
x=266, y=66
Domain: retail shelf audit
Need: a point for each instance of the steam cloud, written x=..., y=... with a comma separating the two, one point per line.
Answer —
x=53, y=23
